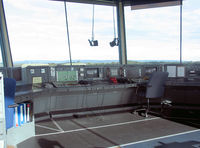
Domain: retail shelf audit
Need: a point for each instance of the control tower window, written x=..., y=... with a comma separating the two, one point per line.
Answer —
x=152, y=34
x=191, y=33
x=38, y=34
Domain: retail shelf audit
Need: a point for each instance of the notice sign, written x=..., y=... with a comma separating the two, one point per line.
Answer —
x=37, y=80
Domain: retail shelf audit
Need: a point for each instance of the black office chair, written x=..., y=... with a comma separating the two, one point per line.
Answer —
x=154, y=89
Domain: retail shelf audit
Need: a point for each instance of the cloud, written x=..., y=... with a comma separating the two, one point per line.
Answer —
x=37, y=30
x=159, y=20
x=144, y=27
x=43, y=35
x=148, y=49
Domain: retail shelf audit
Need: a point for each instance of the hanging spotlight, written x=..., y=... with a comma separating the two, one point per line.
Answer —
x=115, y=42
x=93, y=42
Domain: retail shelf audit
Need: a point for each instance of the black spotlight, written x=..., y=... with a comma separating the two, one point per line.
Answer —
x=93, y=42
x=115, y=42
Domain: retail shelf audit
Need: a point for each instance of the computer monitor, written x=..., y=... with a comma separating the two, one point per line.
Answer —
x=67, y=76
x=92, y=72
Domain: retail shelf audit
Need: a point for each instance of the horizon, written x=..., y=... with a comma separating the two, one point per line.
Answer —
x=93, y=60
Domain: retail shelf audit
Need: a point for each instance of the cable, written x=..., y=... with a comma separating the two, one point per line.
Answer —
x=114, y=22
x=68, y=33
x=93, y=23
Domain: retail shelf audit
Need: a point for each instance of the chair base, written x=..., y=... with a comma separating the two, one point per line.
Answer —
x=141, y=112
x=144, y=109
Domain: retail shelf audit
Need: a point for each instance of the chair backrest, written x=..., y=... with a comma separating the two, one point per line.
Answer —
x=155, y=86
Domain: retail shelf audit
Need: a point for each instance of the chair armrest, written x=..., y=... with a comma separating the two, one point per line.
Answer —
x=13, y=105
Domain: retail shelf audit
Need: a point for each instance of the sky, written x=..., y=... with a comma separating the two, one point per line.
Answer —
x=37, y=31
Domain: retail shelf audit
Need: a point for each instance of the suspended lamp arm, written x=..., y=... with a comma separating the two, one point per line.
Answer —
x=92, y=41
x=115, y=41
x=114, y=22
x=93, y=22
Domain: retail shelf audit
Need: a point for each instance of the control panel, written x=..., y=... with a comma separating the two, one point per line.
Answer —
x=193, y=73
x=114, y=71
x=95, y=73
x=35, y=74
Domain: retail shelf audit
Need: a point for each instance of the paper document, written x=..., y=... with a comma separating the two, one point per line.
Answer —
x=181, y=71
x=53, y=72
x=172, y=71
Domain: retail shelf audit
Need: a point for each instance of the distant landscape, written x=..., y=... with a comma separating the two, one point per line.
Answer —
x=88, y=61
x=94, y=62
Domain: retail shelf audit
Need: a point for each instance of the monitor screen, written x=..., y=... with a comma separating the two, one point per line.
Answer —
x=92, y=73
x=67, y=76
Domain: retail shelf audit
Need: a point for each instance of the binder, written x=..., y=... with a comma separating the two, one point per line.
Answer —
x=24, y=112
x=21, y=114
x=16, y=118
x=28, y=112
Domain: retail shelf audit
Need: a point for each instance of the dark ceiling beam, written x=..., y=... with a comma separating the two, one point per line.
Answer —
x=125, y=2
x=97, y=2
x=143, y=4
